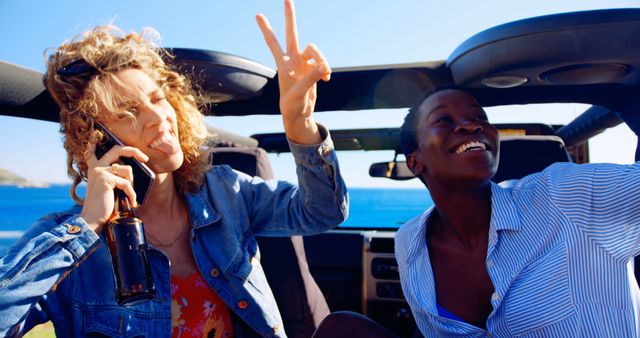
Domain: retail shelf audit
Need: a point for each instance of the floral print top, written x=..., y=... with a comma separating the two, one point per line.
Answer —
x=196, y=310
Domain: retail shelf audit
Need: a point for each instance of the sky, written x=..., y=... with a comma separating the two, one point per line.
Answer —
x=349, y=33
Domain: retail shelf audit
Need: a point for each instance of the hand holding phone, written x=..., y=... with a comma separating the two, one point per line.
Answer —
x=143, y=177
x=125, y=232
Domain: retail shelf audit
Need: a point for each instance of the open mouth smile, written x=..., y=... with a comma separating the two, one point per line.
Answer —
x=471, y=146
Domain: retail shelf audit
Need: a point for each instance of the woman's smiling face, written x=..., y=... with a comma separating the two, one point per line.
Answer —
x=154, y=130
x=455, y=139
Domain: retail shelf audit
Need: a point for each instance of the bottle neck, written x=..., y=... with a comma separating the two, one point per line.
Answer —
x=122, y=206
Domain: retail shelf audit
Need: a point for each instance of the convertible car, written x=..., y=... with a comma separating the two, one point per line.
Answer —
x=587, y=57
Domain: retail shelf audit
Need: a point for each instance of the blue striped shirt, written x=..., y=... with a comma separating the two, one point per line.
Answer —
x=560, y=251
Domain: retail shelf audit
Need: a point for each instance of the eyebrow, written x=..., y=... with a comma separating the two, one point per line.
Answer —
x=434, y=109
x=129, y=101
x=126, y=102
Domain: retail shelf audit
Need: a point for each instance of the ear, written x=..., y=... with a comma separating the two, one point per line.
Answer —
x=414, y=164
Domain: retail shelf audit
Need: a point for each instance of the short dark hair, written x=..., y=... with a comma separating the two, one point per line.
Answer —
x=408, y=130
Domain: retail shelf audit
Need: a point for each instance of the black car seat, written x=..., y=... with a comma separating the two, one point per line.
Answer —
x=301, y=303
x=524, y=155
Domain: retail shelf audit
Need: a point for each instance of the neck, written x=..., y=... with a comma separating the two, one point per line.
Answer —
x=163, y=206
x=464, y=213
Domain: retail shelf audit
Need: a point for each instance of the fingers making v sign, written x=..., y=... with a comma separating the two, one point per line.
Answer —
x=298, y=73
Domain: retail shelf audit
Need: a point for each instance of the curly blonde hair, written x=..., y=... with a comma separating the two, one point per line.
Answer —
x=103, y=51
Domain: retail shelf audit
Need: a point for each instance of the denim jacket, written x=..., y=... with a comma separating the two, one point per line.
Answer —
x=60, y=270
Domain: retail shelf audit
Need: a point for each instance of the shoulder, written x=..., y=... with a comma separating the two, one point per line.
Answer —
x=224, y=173
x=563, y=178
x=557, y=180
x=573, y=172
x=558, y=174
x=222, y=180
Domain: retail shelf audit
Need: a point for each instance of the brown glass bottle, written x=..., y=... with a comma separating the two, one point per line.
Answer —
x=128, y=249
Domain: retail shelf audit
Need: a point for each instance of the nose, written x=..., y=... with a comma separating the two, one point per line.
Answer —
x=468, y=126
x=154, y=114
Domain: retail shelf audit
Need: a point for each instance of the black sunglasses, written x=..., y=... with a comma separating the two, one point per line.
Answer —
x=77, y=68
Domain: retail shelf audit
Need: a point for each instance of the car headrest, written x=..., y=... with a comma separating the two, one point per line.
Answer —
x=251, y=161
x=524, y=155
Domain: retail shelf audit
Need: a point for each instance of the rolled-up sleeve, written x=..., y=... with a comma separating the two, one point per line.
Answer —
x=318, y=203
x=39, y=260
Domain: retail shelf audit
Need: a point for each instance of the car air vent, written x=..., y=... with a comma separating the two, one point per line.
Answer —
x=381, y=245
x=385, y=268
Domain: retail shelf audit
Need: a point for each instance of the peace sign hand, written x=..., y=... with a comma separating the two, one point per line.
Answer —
x=298, y=73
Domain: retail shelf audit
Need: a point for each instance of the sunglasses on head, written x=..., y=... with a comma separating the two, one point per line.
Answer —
x=77, y=68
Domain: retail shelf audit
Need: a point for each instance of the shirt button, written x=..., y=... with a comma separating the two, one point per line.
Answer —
x=490, y=263
x=214, y=272
x=243, y=304
x=495, y=296
x=275, y=328
x=72, y=229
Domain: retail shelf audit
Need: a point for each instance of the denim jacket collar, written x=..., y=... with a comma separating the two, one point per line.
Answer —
x=201, y=211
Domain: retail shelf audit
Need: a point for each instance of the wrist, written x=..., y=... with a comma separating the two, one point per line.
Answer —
x=302, y=130
x=93, y=223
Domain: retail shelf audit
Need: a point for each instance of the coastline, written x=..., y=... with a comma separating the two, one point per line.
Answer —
x=27, y=184
x=8, y=178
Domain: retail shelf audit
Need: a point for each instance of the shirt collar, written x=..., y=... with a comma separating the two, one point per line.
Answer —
x=417, y=243
x=504, y=214
x=503, y=211
x=417, y=257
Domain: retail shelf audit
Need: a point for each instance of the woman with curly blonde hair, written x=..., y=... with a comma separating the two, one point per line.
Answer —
x=200, y=221
x=85, y=96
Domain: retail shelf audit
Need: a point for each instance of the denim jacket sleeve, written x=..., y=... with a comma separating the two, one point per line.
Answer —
x=34, y=266
x=318, y=203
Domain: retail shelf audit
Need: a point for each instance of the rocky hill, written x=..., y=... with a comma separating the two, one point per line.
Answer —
x=9, y=178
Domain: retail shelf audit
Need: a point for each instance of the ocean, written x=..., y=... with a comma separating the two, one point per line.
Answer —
x=369, y=208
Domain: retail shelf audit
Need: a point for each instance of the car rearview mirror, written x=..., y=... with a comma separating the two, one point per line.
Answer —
x=395, y=170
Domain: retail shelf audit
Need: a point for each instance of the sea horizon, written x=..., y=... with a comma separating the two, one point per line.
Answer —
x=370, y=207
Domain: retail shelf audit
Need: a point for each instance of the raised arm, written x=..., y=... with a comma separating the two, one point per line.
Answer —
x=298, y=73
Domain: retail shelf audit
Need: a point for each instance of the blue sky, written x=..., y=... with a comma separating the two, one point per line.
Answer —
x=349, y=32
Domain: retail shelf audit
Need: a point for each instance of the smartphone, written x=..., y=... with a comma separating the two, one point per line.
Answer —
x=143, y=177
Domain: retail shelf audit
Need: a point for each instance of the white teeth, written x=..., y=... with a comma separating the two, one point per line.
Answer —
x=471, y=146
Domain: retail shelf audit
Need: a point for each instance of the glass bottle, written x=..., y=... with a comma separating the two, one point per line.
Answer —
x=128, y=249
